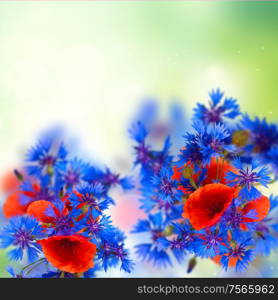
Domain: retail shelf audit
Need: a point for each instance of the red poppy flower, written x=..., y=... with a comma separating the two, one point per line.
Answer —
x=260, y=205
x=217, y=170
x=206, y=205
x=38, y=209
x=12, y=206
x=9, y=182
x=73, y=254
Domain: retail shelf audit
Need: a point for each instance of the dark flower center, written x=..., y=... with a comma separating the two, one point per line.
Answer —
x=247, y=177
x=166, y=186
x=90, y=199
x=213, y=115
x=111, y=179
x=72, y=178
x=63, y=224
x=142, y=154
x=48, y=160
x=156, y=234
x=94, y=227
x=22, y=238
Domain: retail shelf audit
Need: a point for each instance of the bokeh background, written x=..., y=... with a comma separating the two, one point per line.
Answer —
x=88, y=66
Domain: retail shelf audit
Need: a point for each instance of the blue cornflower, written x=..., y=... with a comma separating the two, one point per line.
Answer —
x=177, y=246
x=122, y=255
x=111, y=250
x=46, y=158
x=243, y=253
x=184, y=241
x=165, y=187
x=205, y=143
x=21, y=233
x=91, y=195
x=217, y=111
x=235, y=219
x=210, y=243
x=62, y=226
x=247, y=177
x=213, y=141
x=184, y=232
x=262, y=135
x=74, y=173
x=153, y=252
x=191, y=152
x=96, y=226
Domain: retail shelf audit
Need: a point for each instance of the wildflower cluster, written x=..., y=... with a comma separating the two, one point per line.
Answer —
x=57, y=223
x=209, y=199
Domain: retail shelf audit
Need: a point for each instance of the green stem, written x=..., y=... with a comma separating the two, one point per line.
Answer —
x=35, y=262
x=191, y=180
x=39, y=263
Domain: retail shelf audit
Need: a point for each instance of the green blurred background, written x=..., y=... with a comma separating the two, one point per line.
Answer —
x=89, y=64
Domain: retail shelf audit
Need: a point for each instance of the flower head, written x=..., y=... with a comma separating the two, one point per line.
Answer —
x=73, y=174
x=206, y=205
x=262, y=136
x=238, y=256
x=207, y=142
x=73, y=254
x=217, y=111
x=165, y=187
x=152, y=251
x=21, y=233
x=90, y=195
x=246, y=177
x=210, y=243
x=46, y=157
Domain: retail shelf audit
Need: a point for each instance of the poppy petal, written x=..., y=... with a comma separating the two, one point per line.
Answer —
x=73, y=254
x=206, y=205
